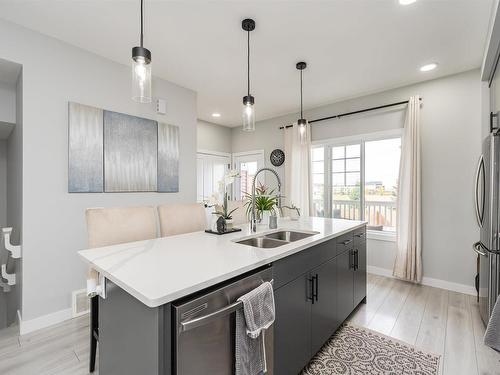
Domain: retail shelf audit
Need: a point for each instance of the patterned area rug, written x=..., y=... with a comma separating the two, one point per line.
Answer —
x=353, y=350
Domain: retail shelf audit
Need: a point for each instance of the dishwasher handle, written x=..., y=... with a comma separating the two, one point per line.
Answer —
x=208, y=318
x=205, y=319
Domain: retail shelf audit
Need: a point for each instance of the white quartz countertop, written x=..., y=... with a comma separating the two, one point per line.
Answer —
x=162, y=270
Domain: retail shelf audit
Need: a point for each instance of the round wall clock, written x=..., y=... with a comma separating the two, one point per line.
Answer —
x=277, y=157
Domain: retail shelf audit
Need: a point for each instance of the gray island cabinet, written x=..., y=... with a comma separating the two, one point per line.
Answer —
x=315, y=290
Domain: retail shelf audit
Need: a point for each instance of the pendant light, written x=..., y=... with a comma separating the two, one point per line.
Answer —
x=141, y=69
x=301, y=122
x=248, y=100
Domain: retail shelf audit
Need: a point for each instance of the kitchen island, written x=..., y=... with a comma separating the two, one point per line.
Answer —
x=318, y=281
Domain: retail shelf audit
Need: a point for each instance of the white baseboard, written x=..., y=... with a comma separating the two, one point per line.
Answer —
x=27, y=326
x=429, y=281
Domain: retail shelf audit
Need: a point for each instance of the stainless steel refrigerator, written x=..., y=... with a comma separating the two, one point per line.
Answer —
x=487, y=203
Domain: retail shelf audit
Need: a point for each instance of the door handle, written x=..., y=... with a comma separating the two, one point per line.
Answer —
x=478, y=246
x=479, y=210
x=316, y=282
x=356, y=260
x=351, y=260
x=311, y=285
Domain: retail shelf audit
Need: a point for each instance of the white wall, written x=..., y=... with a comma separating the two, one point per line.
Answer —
x=451, y=144
x=213, y=137
x=53, y=220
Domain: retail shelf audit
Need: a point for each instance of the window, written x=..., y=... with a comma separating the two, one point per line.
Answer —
x=247, y=164
x=211, y=169
x=346, y=181
x=247, y=173
x=358, y=181
x=318, y=181
x=381, y=182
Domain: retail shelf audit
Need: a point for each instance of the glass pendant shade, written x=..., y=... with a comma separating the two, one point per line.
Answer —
x=302, y=123
x=248, y=114
x=141, y=79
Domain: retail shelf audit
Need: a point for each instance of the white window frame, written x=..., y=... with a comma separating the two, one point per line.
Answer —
x=346, y=141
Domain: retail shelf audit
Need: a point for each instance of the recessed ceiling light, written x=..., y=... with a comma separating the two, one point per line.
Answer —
x=406, y=2
x=215, y=114
x=428, y=67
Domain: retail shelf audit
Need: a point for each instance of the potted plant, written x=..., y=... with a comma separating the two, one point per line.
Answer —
x=265, y=202
x=222, y=211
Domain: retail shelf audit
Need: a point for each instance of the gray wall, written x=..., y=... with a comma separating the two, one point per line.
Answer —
x=3, y=221
x=213, y=137
x=451, y=144
x=3, y=184
x=53, y=220
x=15, y=202
x=267, y=136
x=7, y=103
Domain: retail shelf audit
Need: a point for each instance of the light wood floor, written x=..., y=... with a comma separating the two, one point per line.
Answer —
x=435, y=320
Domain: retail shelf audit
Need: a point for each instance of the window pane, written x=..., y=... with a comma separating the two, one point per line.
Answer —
x=353, y=151
x=381, y=180
x=318, y=153
x=338, y=179
x=338, y=152
x=318, y=178
x=352, y=165
x=338, y=165
x=247, y=173
x=318, y=167
x=352, y=179
x=318, y=195
x=346, y=203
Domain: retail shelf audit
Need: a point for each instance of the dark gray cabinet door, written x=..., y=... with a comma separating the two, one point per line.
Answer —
x=292, y=327
x=360, y=274
x=324, y=320
x=345, y=285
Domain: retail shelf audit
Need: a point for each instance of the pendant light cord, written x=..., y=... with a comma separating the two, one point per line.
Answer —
x=301, y=114
x=142, y=28
x=248, y=62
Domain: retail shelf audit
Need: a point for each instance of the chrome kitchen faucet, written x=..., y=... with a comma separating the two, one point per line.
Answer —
x=254, y=219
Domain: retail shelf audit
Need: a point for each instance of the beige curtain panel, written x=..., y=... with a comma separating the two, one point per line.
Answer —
x=408, y=263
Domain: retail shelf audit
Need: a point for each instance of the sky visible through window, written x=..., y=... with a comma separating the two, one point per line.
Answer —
x=382, y=164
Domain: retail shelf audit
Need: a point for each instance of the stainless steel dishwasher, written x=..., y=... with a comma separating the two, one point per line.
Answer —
x=205, y=329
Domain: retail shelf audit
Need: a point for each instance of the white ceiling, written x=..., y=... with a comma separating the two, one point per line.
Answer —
x=352, y=47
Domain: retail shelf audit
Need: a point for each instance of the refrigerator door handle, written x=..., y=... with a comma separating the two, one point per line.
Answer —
x=480, y=205
x=478, y=246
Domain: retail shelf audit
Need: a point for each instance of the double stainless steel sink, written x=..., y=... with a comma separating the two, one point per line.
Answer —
x=275, y=239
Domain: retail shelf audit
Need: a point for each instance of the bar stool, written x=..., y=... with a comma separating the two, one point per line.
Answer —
x=181, y=218
x=111, y=226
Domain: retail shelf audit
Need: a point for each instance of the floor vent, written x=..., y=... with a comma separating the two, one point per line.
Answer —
x=80, y=303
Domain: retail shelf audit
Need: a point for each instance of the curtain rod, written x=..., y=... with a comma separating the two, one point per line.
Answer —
x=352, y=113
